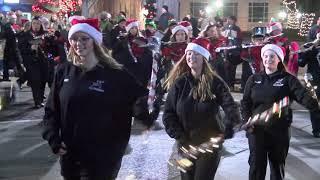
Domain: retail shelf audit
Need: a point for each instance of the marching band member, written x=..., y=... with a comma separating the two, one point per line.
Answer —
x=233, y=33
x=171, y=51
x=188, y=25
x=168, y=31
x=252, y=56
x=271, y=142
x=191, y=114
x=87, y=118
x=34, y=51
x=214, y=34
x=137, y=60
x=311, y=58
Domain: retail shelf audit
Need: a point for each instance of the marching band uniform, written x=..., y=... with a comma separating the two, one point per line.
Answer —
x=32, y=46
x=311, y=58
x=271, y=141
x=252, y=58
x=138, y=61
x=171, y=53
x=233, y=33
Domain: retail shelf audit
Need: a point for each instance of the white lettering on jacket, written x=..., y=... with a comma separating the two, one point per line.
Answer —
x=97, y=86
x=278, y=83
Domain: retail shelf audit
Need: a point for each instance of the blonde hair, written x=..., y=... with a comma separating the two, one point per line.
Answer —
x=203, y=89
x=101, y=55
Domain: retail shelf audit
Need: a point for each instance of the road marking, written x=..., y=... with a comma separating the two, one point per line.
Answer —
x=21, y=121
x=32, y=148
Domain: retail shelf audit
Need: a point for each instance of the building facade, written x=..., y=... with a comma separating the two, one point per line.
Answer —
x=250, y=13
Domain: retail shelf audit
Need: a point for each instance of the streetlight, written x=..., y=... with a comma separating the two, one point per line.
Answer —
x=219, y=4
x=299, y=15
x=282, y=15
x=209, y=10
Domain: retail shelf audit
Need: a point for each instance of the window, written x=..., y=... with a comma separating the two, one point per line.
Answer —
x=11, y=1
x=258, y=12
x=196, y=6
x=230, y=9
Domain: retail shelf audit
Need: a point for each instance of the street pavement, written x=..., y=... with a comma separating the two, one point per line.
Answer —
x=25, y=156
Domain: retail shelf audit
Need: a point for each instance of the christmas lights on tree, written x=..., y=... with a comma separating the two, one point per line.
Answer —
x=306, y=23
x=297, y=20
x=45, y=6
x=70, y=6
x=150, y=9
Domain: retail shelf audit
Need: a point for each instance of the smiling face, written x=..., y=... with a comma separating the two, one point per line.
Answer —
x=36, y=25
x=82, y=43
x=134, y=31
x=194, y=60
x=270, y=61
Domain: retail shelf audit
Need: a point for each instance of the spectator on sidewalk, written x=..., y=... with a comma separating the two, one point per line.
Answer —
x=164, y=18
x=270, y=142
x=314, y=30
x=87, y=118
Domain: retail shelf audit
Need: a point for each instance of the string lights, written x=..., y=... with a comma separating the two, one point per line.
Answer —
x=306, y=23
x=297, y=20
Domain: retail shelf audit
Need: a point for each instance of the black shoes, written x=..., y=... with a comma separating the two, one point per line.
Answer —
x=316, y=134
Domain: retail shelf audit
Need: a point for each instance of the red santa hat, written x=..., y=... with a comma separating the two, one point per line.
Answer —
x=201, y=46
x=131, y=23
x=179, y=27
x=186, y=24
x=275, y=48
x=274, y=26
x=89, y=26
x=71, y=18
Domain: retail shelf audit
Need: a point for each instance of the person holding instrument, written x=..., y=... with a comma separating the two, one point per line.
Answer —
x=191, y=113
x=262, y=90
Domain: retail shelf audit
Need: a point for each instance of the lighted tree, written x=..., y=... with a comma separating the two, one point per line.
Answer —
x=151, y=9
x=45, y=6
x=70, y=6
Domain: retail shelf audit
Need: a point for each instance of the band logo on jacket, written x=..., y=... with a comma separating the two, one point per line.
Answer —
x=278, y=83
x=97, y=86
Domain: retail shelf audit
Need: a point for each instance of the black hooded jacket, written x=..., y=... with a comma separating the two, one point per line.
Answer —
x=192, y=121
x=91, y=113
x=262, y=90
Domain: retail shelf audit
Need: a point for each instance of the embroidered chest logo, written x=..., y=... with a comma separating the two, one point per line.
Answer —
x=258, y=82
x=97, y=86
x=278, y=83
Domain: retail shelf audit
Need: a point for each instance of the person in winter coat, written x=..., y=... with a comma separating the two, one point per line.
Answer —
x=191, y=113
x=270, y=142
x=32, y=45
x=311, y=58
x=88, y=114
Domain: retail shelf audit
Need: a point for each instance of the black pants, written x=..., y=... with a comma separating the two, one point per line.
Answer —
x=6, y=65
x=230, y=73
x=315, y=116
x=38, y=89
x=204, y=168
x=246, y=73
x=263, y=147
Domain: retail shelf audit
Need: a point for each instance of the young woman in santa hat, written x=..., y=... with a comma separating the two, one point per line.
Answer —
x=172, y=52
x=270, y=141
x=88, y=114
x=191, y=113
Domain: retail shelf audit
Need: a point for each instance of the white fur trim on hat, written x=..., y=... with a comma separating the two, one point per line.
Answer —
x=274, y=26
x=199, y=49
x=179, y=27
x=131, y=25
x=86, y=28
x=273, y=48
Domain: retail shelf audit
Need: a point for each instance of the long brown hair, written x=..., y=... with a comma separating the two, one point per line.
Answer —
x=101, y=55
x=203, y=89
